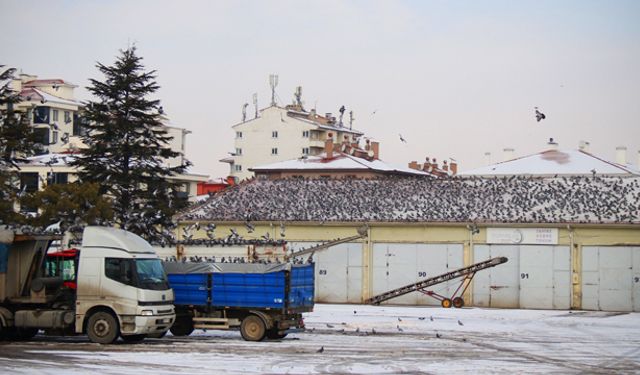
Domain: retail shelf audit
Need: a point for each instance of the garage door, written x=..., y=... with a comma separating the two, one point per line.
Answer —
x=611, y=278
x=536, y=277
x=396, y=265
x=338, y=272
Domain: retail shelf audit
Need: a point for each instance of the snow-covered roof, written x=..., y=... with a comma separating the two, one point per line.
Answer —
x=43, y=96
x=417, y=199
x=50, y=160
x=340, y=162
x=553, y=162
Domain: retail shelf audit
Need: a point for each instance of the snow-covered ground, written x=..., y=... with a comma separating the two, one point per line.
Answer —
x=365, y=339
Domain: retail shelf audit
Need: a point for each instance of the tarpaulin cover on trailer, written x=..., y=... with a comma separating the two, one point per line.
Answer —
x=187, y=267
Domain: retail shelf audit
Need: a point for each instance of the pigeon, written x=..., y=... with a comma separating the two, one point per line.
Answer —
x=403, y=140
x=373, y=331
x=399, y=329
x=399, y=319
x=357, y=329
x=431, y=318
x=329, y=325
x=438, y=335
x=460, y=323
x=421, y=318
x=539, y=115
x=354, y=312
x=320, y=350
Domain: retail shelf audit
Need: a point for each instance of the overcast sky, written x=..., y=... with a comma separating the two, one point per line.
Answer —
x=455, y=78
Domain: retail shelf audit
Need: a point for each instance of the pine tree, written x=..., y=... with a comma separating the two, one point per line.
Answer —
x=17, y=141
x=128, y=147
x=73, y=205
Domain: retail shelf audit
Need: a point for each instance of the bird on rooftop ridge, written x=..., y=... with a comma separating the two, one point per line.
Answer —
x=539, y=115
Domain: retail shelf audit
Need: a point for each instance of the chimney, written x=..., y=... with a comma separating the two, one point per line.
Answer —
x=583, y=146
x=487, y=158
x=453, y=167
x=621, y=155
x=328, y=146
x=375, y=147
x=312, y=114
x=445, y=166
x=508, y=153
x=553, y=145
x=414, y=165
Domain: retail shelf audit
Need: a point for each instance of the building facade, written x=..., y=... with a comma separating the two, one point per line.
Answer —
x=54, y=114
x=279, y=134
x=573, y=242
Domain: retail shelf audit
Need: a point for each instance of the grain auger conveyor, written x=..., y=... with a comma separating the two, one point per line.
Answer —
x=466, y=273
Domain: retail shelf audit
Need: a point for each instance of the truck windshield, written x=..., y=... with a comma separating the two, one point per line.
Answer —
x=151, y=274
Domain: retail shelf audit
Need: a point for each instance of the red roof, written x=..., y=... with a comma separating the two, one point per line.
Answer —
x=40, y=82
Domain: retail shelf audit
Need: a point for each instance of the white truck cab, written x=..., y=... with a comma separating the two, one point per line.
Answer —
x=113, y=286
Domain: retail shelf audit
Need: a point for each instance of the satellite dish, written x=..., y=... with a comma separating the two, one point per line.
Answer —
x=344, y=147
x=370, y=153
x=352, y=151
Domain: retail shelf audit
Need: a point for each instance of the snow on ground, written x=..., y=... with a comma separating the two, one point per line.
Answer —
x=362, y=339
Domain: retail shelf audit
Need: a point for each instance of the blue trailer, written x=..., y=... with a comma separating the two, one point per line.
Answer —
x=263, y=300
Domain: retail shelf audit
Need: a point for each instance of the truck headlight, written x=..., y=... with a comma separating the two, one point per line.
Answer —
x=146, y=312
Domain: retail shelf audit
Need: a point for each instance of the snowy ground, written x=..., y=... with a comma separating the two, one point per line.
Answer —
x=365, y=339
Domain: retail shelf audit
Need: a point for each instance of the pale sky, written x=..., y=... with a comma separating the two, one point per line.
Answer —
x=455, y=78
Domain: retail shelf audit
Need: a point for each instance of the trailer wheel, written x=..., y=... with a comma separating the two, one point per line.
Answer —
x=133, y=339
x=458, y=302
x=446, y=303
x=24, y=334
x=253, y=328
x=103, y=328
x=274, y=335
x=183, y=326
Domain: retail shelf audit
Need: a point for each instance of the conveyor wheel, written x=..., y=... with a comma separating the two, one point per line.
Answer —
x=458, y=302
x=446, y=303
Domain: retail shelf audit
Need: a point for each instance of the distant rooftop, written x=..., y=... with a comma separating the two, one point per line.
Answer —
x=554, y=162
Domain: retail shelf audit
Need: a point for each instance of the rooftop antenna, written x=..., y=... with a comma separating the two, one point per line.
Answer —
x=341, y=110
x=244, y=112
x=351, y=119
x=298, y=96
x=255, y=103
x=273, y=82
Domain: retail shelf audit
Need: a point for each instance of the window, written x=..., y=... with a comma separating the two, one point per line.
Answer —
x=120, y=270
x=305, y=151
x=274, y=151
x=141, y=273
x=67, y=117
x=78, y=129
x=55, y=115
x=29, y=182
x=41, y=135
x=238, y=168
x=238, y=134
x=54, y=178
x=305, y=134
x=274, y=134
x=238, y=151
x=41, y=115
x=55, y=137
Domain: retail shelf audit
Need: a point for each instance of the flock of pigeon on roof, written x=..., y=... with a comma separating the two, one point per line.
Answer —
x=515, y=199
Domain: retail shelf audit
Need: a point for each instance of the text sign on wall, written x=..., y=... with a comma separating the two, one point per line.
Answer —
x=536, y=236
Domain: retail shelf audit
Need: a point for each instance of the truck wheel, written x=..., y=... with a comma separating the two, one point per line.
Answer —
x=274, y=335
x=133, y=339
x=157, y=335
x=252, y=328
x=103, y=328
x=183, y=326
x=23, y=334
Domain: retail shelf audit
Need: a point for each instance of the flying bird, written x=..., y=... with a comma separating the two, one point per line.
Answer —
x=539, y=115
x=402, y=139
x=460, y=323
